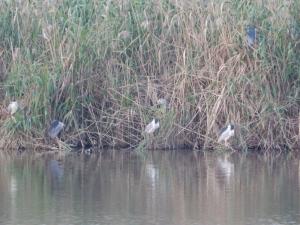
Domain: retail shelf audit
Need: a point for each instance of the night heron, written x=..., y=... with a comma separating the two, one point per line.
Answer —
x=152, y=126
x=55, y=128
x=161, y=109
x=251, y=36
x=124, y=35
x=162, y=102
x=226, y=133
x=46, y=31
x=12, y=108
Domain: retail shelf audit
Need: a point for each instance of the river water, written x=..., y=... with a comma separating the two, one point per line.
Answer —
x=160, y=187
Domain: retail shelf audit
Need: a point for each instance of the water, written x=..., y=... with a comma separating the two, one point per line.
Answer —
x=115, y=187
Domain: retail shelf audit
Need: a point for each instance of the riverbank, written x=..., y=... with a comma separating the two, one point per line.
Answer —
x=101, y=67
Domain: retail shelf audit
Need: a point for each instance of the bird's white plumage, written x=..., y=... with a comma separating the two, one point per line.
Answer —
x=226, y=134
x=151, y=127
x=162, y=102
x=13, y=107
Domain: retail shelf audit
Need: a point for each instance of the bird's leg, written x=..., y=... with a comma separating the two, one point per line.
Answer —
x=152, y=141
x=14, y=119
x=148, y=140
x=226, y=143
x=228, y=146
x=57, y=142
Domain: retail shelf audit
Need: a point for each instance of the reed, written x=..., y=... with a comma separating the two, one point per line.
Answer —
x=101, y=66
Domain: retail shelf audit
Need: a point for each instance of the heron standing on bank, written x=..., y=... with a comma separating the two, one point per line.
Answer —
x=226, y=133
x=152, y=126
x=12, y=108
x=55, y=128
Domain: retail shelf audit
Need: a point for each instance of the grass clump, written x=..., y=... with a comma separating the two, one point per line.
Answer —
x=101, y=66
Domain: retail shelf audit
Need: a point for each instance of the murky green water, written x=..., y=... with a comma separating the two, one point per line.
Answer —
x=159, y=188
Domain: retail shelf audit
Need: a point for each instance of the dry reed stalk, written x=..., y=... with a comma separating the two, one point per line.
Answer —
x=102, y=69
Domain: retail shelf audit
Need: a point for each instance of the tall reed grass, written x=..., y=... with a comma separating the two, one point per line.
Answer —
x=101, y=66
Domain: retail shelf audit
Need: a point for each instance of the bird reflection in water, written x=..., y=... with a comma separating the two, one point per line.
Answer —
x=225, y=168
x=152, y=173
x=56, y=172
